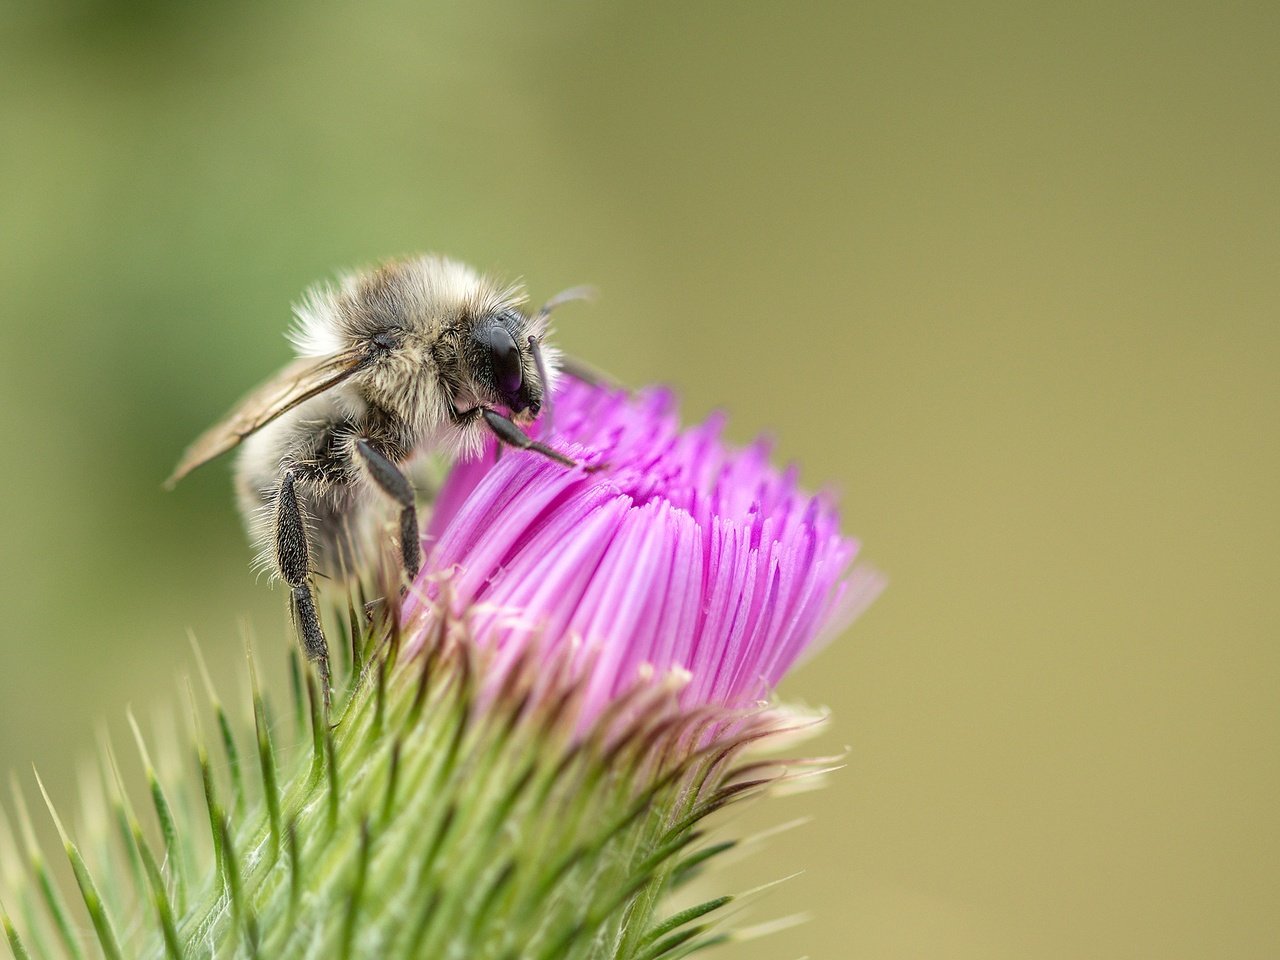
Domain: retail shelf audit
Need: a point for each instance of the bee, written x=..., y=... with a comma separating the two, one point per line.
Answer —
x=417, y=355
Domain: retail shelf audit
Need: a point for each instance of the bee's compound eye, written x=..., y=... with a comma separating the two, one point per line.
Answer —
x=505, y=357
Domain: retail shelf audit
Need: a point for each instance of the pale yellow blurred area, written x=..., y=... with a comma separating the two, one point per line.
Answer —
x=1005, y=275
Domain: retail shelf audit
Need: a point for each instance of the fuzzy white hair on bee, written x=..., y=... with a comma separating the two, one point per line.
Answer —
x=418, y=355
x=418, y=292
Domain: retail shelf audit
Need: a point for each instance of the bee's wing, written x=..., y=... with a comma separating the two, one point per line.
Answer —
x=300, y=381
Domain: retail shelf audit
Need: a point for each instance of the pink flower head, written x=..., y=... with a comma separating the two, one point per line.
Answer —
x=679, y=555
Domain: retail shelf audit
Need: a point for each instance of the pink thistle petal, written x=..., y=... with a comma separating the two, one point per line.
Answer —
x=681, y=554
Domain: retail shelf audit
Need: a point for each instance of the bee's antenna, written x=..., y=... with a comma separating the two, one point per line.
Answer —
x=548, y=408
x=563, y=297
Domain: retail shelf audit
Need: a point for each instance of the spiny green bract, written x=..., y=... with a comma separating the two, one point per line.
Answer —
x=435, y=817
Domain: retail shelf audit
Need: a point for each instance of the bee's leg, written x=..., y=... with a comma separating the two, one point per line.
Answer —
x=293, y=560
x=506, y=431
x=397, y=486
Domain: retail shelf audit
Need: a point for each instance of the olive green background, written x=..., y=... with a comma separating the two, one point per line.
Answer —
x=1007, y=275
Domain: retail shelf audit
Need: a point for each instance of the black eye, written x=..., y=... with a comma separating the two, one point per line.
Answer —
x=505, y=358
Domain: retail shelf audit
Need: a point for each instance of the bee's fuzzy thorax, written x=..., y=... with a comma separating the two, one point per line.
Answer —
x=431, y=302
x=425, y=294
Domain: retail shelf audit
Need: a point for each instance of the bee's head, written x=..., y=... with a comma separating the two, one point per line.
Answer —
x=506, y=364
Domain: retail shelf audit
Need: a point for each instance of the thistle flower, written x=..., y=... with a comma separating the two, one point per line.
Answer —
x=528, y=746
x=679, y=555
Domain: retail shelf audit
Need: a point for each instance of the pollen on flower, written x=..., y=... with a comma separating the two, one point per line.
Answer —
x=682, y=557
x=673, y=677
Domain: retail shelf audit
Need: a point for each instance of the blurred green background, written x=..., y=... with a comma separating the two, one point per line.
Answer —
x=1007, y=275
